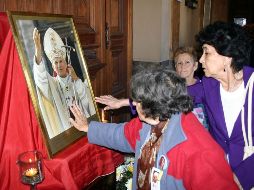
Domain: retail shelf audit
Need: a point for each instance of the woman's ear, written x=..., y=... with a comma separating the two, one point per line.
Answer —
x=227, y=63
x=229, y=60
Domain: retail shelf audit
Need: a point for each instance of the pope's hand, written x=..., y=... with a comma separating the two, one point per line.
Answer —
x=72, y=73
x=37, y=45
x=80, y=121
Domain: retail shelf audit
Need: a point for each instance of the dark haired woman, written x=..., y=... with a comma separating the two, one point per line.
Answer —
x=228, y=95
x=165, y=129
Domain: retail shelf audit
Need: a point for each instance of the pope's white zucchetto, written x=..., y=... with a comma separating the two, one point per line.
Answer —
x=53, y=45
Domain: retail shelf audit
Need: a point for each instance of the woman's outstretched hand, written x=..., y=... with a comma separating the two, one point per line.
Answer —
x=111, y=102
x=80, y=121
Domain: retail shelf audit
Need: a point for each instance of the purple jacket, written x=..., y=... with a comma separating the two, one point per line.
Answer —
x=233, y=145
x=196, y=92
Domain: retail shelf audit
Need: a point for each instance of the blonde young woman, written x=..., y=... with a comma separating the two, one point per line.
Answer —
x=186, y=63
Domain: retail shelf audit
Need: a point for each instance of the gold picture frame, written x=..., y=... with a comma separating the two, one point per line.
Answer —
x=52, y=95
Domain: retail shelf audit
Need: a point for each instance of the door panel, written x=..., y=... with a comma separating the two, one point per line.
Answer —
x=116, y=52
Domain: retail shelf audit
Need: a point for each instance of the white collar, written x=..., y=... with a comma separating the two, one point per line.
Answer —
x=63, y=80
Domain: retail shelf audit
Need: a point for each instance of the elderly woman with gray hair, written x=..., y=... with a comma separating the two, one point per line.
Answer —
x=165, y=131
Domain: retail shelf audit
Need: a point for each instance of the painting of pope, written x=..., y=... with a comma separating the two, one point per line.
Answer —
x=60, y=90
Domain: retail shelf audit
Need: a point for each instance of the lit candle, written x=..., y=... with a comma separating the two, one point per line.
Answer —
x=31, y=172
x=103, y=116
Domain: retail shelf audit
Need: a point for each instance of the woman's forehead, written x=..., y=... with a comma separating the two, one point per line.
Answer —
x=206, y=47
x=184, y=56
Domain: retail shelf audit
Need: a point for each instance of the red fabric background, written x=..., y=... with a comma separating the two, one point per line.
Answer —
x=73, y=168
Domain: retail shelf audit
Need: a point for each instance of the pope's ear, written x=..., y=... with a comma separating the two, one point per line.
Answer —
x=68, y=69
x=54, y=74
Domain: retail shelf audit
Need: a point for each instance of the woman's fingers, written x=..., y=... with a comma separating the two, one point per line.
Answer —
x=73, y=123
x=76, y=111
x=110, y=102
x=106, y=99
x=80, y=121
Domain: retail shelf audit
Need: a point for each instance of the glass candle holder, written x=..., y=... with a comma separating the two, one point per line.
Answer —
x=31, y=168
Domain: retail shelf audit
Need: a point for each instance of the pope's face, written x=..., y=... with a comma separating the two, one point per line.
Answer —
x=60, y=67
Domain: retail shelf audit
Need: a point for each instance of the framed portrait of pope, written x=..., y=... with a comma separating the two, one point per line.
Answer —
x=56, y=73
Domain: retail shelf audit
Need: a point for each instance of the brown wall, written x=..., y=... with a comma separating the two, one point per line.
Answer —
x=219, y=10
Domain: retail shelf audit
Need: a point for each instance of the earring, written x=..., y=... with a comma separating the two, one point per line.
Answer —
x=224, y=67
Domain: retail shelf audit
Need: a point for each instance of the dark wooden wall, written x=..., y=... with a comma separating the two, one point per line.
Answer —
x=226, y=10
x=242, y=9
x=219, y=10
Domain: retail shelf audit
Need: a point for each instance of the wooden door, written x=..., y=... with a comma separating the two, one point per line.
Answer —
x=117, y=51
x=116, y=45
x=175, y=20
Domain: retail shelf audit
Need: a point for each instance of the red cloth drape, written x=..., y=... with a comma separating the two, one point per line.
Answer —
x=4, y=28
x=73, y=168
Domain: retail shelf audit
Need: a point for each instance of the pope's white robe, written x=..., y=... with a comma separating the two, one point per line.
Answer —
x=56, y=94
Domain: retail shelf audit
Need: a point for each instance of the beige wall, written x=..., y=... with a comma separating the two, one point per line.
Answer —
x=189, y=25
x=186, y=26
x=164, y=55
x=152, y=29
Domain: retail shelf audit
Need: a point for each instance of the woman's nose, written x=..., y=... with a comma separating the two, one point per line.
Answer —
x=201, y=60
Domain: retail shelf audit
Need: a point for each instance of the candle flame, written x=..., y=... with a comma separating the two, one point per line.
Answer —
x=103, y=116
x=31, y=172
